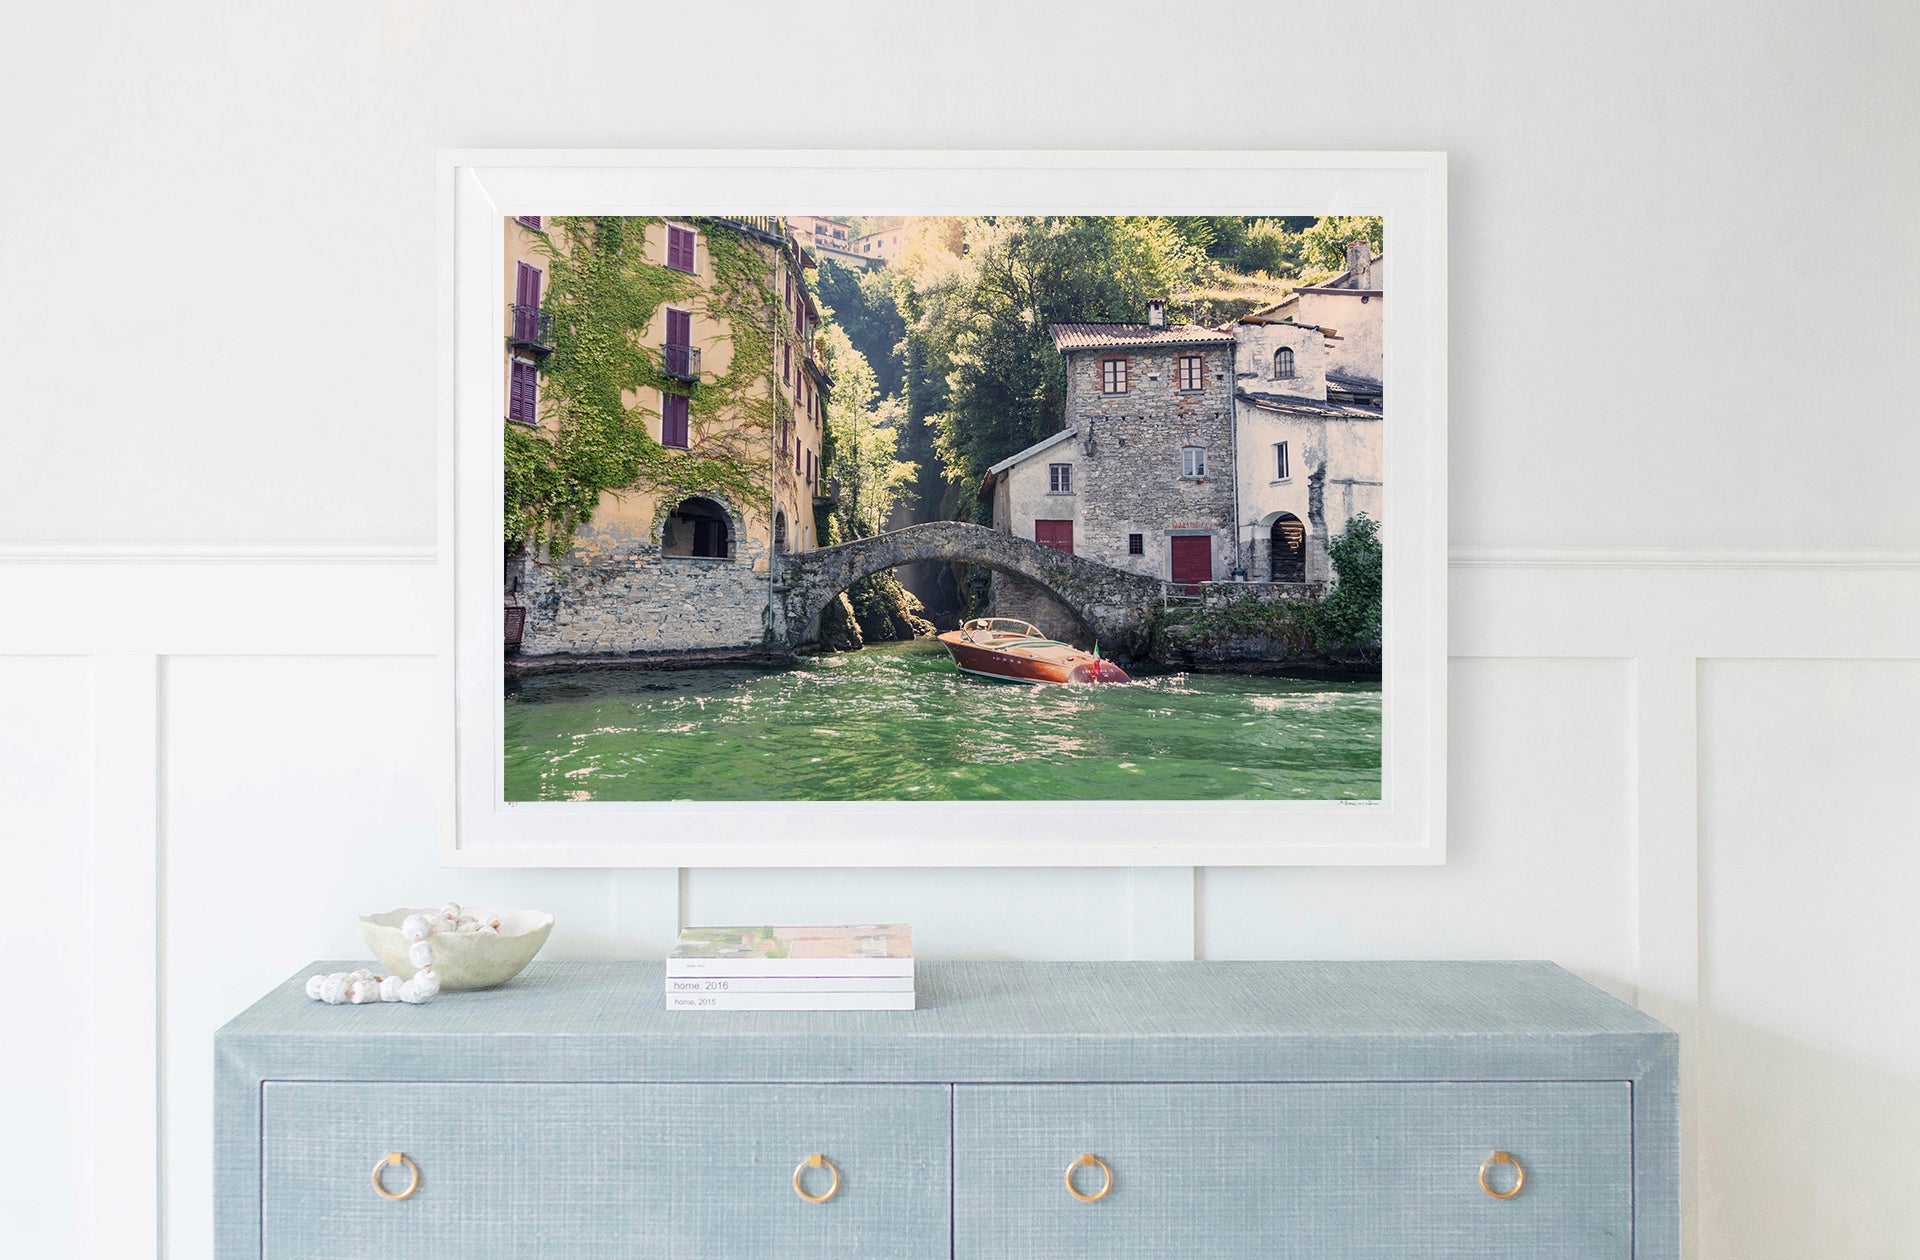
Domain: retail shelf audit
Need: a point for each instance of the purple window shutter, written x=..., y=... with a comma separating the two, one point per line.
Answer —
x=523, y=393
x=526, y=301
x=680, y=248
x=786, y=362
x=679, y=327
x=673, y=420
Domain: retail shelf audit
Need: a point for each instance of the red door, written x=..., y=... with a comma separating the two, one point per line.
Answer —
x=1192, y=560
x=1055, y=534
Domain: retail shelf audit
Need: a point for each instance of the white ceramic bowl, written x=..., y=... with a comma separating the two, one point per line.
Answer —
x=462, y=960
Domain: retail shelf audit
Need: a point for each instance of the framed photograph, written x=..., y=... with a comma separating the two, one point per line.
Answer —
x=930, y=509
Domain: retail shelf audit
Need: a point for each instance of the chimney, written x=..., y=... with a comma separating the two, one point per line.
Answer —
x=1156, y=312
x=1360, y=264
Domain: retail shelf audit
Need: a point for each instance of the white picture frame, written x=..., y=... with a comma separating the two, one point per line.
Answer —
x=479, y=189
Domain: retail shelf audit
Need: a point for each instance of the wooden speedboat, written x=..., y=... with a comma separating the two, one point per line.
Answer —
x=1000, y=647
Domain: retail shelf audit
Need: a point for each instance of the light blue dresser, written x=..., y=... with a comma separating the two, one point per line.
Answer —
x=1223, y=1109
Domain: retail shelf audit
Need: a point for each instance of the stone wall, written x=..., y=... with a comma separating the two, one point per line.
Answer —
x=625, y=598
x=1010, y=595
x=1235, y=625
x=1132, y=482
x=1118, y=606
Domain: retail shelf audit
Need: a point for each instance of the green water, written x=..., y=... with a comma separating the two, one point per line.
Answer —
x=898, y=722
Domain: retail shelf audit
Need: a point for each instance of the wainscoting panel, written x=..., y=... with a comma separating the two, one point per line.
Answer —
x=46, y=1036
x=1682, y=775
x=1809, y=1080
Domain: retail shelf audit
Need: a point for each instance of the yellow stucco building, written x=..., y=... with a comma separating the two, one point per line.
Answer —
x=683, y=557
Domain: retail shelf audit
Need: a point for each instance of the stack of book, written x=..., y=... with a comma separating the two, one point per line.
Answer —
x=864, y=967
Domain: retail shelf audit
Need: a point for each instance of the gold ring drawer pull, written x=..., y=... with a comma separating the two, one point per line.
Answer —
x=394, y=1159
x=1519, y=1175
x=816, y=1161
x=1106, y=1174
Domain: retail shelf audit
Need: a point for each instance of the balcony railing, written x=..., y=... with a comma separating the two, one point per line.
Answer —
x=530, y=328
x=770, y=225
x=682, y=363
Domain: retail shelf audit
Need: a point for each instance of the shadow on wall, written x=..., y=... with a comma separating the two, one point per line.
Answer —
x=1804, y=1152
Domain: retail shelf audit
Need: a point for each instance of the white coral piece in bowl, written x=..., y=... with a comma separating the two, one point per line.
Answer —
x=462, y=959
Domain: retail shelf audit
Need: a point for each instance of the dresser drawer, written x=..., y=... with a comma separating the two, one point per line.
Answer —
x=1308, y=1170
x=582, y=1171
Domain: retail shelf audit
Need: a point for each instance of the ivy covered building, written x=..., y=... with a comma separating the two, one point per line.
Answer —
x=665, y=422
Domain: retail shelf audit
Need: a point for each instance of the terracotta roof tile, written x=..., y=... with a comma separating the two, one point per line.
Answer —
x=1121, y=336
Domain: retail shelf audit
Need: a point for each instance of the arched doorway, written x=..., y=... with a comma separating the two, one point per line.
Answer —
x=1287, y=549
x=697, y=527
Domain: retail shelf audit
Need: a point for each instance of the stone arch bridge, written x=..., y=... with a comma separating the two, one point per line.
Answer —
x=1117, y=606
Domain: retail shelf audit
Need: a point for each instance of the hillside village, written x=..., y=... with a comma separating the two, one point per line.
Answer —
x=665, y=462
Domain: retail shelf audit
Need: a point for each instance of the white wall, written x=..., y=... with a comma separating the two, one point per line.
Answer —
x=1683, y=772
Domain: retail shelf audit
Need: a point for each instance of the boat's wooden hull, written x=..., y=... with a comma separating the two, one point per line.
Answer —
x=1012, y=666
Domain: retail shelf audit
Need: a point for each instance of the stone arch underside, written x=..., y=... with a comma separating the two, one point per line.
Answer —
x=1116, y=605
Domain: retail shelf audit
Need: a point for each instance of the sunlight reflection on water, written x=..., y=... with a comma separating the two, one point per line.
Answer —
x=897, y=721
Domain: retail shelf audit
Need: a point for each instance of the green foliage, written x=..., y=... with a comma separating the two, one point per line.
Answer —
x=887, y=611
x=859, y=459
x=861, y=300
x=604, y=294
x=1324, y=245
x=986, y=321
x=1350, y=617
x=1247, y=244
x=1293, y=625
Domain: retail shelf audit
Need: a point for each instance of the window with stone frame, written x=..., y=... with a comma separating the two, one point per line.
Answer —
x=1193, y=461
x=1192, y=376
x=1113, y=376
x=1059, y=478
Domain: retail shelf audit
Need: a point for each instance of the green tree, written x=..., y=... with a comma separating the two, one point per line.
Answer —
x=862, y=302
x=1324, y=245
x=859, y=459
x=988, y=320
x=1350, y=617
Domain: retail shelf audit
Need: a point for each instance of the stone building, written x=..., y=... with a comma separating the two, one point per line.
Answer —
x=1308, y=406
x=1141, y=475
x=1350, y=310
x=658, y=569
x=1197, y=454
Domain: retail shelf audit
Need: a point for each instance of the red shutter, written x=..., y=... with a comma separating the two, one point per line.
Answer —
x=1192, y=558
x=1055, y=534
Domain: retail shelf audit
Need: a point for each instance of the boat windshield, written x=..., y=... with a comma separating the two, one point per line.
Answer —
x=1003, y=626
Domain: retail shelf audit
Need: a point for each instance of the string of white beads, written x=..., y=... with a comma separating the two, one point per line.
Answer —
x=363, y=986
